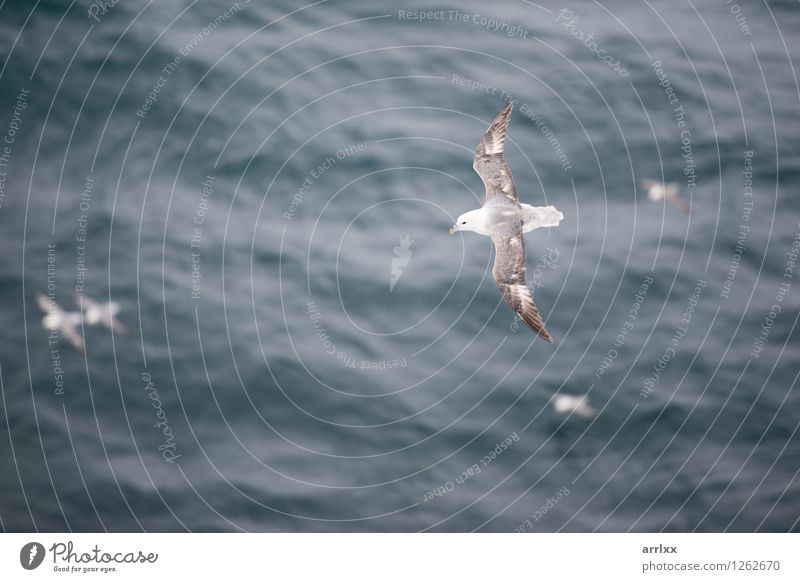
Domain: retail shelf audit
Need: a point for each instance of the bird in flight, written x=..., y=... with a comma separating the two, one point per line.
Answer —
x=565, y=404
x=504, y=219
x=658, y=191
x=65, y=322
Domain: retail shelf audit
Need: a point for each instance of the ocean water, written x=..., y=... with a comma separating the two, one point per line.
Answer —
x=266, y=188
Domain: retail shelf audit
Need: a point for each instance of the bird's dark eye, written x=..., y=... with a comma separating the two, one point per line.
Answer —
x=465, y=222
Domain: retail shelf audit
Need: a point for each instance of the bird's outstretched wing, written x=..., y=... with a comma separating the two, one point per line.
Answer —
x=671, y=193
x=73, y=336
x=489, y=162
x=84, y=302
x=113, y=323
x=44, y=303
x=509, y=274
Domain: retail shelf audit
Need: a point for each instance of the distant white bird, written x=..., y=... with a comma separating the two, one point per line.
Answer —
x=564, y=404
x=658, y=191
x=503, y=218
x=66, y=322
x=402, y=255
x=104, y=314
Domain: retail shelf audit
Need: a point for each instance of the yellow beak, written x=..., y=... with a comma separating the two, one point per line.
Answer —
x=452, y=230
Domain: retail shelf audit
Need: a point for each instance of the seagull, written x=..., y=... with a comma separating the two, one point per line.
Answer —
x=95, y=313
x=564, y=404
x=658, y=191
x=66, y=322
x=503, y=218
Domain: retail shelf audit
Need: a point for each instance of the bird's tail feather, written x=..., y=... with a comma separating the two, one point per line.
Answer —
x=537, y=216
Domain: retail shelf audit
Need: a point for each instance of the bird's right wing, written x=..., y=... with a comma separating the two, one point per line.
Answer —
x=489, y=162
x=44, y=303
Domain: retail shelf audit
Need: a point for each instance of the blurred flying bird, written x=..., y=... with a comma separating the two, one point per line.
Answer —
x=658, y=191
x=402, y=254
x=564, y=404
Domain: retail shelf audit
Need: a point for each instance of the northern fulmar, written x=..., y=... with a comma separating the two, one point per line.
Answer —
x=659, y=191
x=503, y=218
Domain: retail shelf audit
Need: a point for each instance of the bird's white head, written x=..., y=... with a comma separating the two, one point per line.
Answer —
x=473, y=221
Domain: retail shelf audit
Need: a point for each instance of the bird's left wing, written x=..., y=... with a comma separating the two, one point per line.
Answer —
x=72, y=335
x=671, y=192
x=509, y=274
x=44, y=303
x=114, y=324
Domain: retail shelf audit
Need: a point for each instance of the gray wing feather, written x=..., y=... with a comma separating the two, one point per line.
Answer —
x=509, y=274
x=73, y=336
x=489, y=162
x=43, y=302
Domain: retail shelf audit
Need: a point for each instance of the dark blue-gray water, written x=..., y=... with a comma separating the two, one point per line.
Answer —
x=266, y=188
